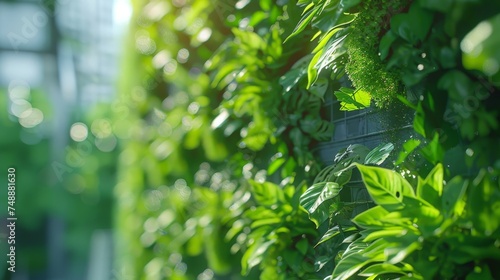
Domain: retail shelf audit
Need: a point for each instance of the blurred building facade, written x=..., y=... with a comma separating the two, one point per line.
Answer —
x=68, y=49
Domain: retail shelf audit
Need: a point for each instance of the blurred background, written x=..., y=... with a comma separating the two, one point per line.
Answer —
x=58, y=59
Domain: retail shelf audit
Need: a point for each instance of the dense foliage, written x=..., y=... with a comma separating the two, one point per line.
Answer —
x=221, y=108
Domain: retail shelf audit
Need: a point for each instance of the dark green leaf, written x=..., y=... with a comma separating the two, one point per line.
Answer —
x=453, y=194
x=347, y=4
x=304, y=21
x=414, y=25
x=431, y=188
x=484, y=204
x=319, y=87
x=433, y=152
x=321, y=261
x=302, y=246
x=385, y=44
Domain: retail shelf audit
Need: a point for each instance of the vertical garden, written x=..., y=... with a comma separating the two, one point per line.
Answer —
x=227, y=123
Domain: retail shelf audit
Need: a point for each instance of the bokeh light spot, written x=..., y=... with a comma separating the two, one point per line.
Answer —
x=78, y=132
x=31, y=118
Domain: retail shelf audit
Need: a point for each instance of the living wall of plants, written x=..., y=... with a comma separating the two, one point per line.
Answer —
x=221, y=105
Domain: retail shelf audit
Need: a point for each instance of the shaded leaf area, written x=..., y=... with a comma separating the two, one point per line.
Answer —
x=455, y=99
x=331, y=214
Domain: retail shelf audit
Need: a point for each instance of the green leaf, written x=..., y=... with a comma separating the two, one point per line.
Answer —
x=427, y=217
x=431, y=188
x=398, y=254
x=265, y=4
x=302, y=246
x=321, y=261
x=325, y=39
x=254, y=255
x=483, y=273
x=275, y=165
x=371, y=218
x=316, y=196
x=458, y=85
x=291, y=78
x=379, y=154
x=406, y=102
x=354, y=153
x=312, y=72
x=442, y=6
x=218, y=259
x=351, y=100
x=352, y=261
x=433, y=152
x=420, y=209
x=380, y=268
x=408, y=147
x=347, y=4
x=319, y=87
x=333, y=232
x=386, y=187
x=414, y=25
x=332, y=54
x=294, y=260
x=385, y=44
x=484, y=203
x=321, y=130
x=334, y=173
x=260, y=213
x=420, y=122
x=329, y=49
x=304, y=21
x=336, y=17
x=266, y=193
x=385, y=232
x=266, y=222
x=258, y=134
x=213, y=146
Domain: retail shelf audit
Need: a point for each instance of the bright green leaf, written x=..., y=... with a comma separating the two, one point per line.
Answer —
x=371, y=218
x=408, y=147
x=386, y=187
x=352, y=100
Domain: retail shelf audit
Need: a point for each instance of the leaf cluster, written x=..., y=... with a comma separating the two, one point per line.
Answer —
x=439, y=230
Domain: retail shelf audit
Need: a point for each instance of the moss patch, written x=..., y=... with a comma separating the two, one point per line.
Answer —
x=364, y=66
